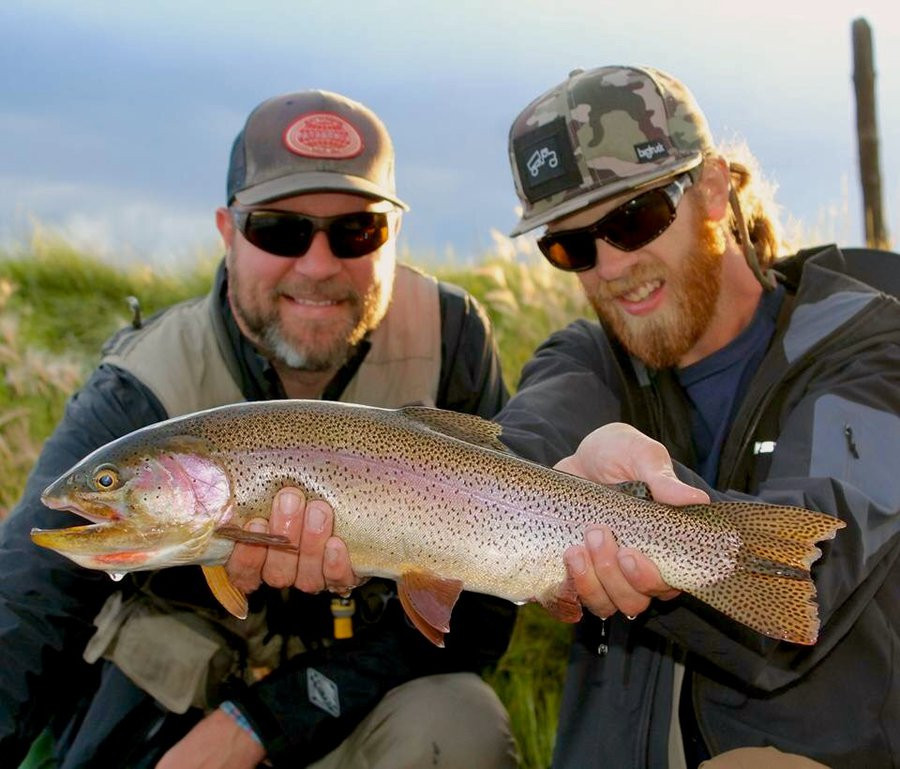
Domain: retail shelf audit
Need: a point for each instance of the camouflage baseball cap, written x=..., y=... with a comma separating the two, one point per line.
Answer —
x=312, y=141
x=600, y=133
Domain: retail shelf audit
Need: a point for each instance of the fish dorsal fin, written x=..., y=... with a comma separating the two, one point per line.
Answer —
x=428, y=601
x=465, y=427
x=225, y=591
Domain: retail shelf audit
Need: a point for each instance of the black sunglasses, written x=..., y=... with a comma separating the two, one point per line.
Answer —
x=284, y=233
x=632, y=225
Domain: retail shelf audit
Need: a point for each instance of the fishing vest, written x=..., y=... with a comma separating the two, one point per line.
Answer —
x=180, y=356
x=180, y=654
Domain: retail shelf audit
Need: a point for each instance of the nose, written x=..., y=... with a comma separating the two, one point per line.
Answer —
x=318, y=263
x=612, y=262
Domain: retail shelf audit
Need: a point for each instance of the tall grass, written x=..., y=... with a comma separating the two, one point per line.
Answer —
x=57, y=306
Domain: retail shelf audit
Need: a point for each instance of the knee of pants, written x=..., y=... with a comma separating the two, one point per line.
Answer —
x=453, y=720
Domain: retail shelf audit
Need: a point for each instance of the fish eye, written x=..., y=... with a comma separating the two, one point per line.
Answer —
x=105, y=478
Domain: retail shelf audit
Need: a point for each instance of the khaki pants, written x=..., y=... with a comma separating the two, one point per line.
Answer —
x=760, y=758
x=452, y=721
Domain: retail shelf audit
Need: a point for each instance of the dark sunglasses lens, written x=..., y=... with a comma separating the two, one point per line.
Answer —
x=359, y=234
x=569, y=251
x=638, y=221
x=281, y=234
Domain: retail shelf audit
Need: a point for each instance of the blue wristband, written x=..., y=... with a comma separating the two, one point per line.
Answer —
x=239, y=718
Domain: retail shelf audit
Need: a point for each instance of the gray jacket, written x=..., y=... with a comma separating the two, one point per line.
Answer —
x=827, y=398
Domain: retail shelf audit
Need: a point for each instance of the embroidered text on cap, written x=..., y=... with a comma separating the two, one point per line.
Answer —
x=323, y=135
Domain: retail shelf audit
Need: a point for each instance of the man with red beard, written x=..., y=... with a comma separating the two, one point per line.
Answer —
x=309, y=302
x=776, y=380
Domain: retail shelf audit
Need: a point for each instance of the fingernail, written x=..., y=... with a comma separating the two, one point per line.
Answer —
x=576, y=562
x=257, y=526
x=331, y=555
x=315, y=519
x=289, y=502
x=595, y=538
x=627, y=563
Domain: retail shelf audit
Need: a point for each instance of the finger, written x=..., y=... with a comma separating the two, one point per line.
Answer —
x=244, y=566
x=643, y=575
x=590, y=591
x=317, y=527
x=603, y=553
x=338, y=573
x=280, y=568
x=665, y=487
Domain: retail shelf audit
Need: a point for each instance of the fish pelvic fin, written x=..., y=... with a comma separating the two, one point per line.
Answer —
x=562, y=602
x=771, y=589
x=225, y=591
x=428, y=601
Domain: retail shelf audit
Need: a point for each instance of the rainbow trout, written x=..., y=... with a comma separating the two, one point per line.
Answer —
x=427, y=497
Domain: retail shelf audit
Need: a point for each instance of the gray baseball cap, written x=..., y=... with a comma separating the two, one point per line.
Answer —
x=600, y=133
x=311, y=141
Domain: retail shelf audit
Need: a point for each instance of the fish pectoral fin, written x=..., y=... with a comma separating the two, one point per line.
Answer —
x=225, y=591
x=253, y=537
x=562, y=602
x=428, y=601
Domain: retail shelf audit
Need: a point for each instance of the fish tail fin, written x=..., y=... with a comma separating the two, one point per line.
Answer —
x=770, y=589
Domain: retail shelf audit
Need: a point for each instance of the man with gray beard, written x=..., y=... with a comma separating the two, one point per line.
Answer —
x=309, y=302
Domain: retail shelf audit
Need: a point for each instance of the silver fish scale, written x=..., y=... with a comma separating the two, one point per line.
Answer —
x=406, y=496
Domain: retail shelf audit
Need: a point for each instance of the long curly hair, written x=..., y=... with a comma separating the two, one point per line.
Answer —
x=757, y=200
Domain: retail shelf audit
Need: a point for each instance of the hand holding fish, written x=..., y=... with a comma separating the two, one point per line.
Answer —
x=317, y=561
x=608, y=578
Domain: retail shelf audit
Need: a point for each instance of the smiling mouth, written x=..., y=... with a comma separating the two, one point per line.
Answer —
x=642, y=291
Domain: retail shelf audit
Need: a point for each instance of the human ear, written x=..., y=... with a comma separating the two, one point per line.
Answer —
x=714, y=186
x=225, y=226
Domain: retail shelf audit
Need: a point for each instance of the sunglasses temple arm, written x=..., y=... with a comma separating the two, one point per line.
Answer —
x=766, y=279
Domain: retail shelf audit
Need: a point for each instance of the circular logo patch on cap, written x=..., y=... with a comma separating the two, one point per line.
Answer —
x=323, y=135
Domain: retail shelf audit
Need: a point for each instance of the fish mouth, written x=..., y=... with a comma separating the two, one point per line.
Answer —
x=121, y=546
x=111, y=545
x=94, y=513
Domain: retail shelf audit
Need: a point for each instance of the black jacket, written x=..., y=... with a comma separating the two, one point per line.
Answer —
x=827, y=399
x=47, y=604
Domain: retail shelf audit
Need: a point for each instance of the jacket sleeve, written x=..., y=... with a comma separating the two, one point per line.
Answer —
x=567, y=389
x=835, y=453
x=47, y=603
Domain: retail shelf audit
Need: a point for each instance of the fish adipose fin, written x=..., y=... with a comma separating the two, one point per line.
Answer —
x=770, y=589
x=428, y=601
x=465, y=427
x=637, y=489
x=225, y=592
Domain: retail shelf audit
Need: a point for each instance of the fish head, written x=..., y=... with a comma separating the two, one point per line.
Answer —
x=152, y=503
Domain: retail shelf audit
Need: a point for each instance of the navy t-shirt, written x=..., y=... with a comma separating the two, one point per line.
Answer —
x=716, y=385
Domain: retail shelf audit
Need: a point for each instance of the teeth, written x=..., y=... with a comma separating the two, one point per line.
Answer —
x=642, y=292
x=314, y=303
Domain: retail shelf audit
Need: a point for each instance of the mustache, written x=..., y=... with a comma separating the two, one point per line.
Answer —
x=317, y=291
x=638, y=276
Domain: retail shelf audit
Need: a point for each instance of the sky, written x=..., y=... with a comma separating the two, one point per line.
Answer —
x=117, y=118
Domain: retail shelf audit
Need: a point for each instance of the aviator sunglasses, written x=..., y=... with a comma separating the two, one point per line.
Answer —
x=632, y=225
x=284, y=233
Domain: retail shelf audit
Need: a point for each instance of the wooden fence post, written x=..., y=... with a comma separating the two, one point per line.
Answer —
x=867, y=135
